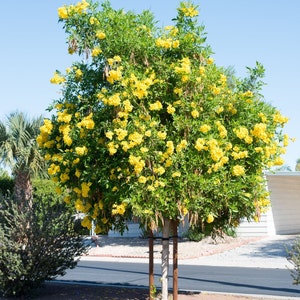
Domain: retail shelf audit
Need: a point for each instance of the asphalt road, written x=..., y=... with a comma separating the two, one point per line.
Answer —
x=259, y=281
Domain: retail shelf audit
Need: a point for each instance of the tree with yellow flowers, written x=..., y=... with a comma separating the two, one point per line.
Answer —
x=149, y=126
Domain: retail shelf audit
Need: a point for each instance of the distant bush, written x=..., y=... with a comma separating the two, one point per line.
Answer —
x=194, y=234
x=6, y=185
x=37, y=243
x=294, y=258
x=199, y=232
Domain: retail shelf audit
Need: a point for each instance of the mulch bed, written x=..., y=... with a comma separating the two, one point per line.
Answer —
x=67, y=291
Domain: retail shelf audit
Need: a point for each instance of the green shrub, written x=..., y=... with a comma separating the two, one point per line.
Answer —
x=6, y=185
x=294, y=258
x=194, y=234
x=198, y=232
x=37, y=243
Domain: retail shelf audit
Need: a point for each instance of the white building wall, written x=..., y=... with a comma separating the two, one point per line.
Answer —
x=262, y=228
x=285, y=199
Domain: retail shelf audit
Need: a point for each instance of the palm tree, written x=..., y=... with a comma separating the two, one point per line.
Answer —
x=297, y=168
x=19, y=152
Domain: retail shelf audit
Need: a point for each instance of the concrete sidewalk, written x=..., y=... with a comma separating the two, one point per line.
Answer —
x=269, y=252
x=264, y=252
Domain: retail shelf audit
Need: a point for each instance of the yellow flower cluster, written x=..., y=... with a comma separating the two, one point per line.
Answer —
x=262, y=203
x=279, y=161
x=121, y=133
x=238, y=170
x=189, y=10
x=155, y=106
x=65, y=130
x=204, y=128
x=260, y=131
x=210, y=218
x=142, y=179
x=119, y=209
x=62, y=12
x=139, y=88
x=85, y=188
x=222, y=130
x=100, y=35
x=64, y=177
x=210, y=61
x=279, y=118
x=195, y=113
x=45, y=131
x=167, y=43
x=86, y=222
x=248, y=94
x=241, y=132
x=159, y=170
x=239, y=154
x=114, y=75
x=87, y=122
x=65, y=12
x=113, y=100
x=94, y=21
x=135, y=139
x=81, y=150
x=216, y=152
x=112, y=148
x=215, y=90
x=171, y=109
x=184, y=66
x=161, y=135
x=96, y=51
x=64, y=116
x=78, y=74
x=57, y=79
x=173, y=30
x=137, y=163
x=182, y=145
x=176, y=174
x=218, y=165
x=200, y=144
x=53, y=169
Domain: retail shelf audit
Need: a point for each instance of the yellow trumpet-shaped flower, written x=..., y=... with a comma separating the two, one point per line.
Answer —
x=210, y=218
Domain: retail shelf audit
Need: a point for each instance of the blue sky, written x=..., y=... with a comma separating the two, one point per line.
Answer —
x=33, y=46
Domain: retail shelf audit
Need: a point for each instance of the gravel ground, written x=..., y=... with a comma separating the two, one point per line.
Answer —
x=138, y=247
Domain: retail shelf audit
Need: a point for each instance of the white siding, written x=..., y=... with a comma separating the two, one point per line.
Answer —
x=284, y=215
x=285, y=200
x=262, y=228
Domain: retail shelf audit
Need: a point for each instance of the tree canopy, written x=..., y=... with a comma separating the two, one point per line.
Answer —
x=148, y=124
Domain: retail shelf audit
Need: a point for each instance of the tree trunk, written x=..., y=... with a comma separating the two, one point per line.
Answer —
x=165, y=259
x=23, y=187
x=151, y=266
x=175, y=259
